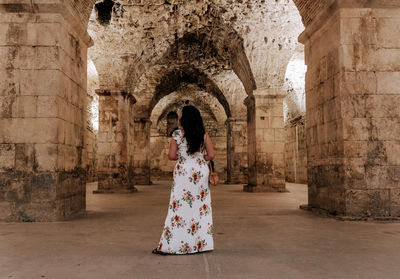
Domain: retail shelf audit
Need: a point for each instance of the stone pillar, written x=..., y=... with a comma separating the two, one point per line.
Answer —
x=236, y=151
x=142, y=151
x=266, y=141
x=353, y=109
x=42, y=112
x=115, y=142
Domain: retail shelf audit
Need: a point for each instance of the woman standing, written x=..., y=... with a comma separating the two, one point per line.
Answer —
x=188, y=227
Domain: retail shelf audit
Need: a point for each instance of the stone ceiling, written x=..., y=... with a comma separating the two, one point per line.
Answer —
x=140, y=43
x=307, y=8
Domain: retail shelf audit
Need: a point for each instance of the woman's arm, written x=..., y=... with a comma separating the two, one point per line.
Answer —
x=209, y=148
x=173, y=149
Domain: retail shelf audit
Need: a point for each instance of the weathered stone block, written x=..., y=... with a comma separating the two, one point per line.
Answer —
x=47, y=106
x=355, y=129
x=25, y=106
x=46, y=156
x=382, y=177
x=395, y=202
x=7, y=156
x=383, y=106
x=388, y=82
x=29, y=130
x=43, y=34
x=43, y=82
x=368, y=203
x=25, y=157
x=393, y=152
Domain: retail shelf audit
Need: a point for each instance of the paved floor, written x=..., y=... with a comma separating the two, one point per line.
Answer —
x=257, y=236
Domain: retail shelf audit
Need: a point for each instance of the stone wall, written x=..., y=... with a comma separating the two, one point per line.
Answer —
x=353, y=110
x=42, y=115
x=141, y=151
x=115, y=142
x=296, y=152
x=92, y=161
x=266, y=141
x=237, y=151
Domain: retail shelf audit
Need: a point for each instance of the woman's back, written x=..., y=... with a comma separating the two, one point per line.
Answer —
x=183, y=149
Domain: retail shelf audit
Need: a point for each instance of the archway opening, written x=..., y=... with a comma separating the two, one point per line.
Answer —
x=164, y=120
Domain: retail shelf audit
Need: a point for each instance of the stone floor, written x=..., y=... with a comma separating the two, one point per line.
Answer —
x=257, y=236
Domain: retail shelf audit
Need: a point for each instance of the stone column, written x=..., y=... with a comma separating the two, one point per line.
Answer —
x=353, y=109
x=115, y=142
x=42, y=112
x=142, y=151
x=236, y=151
x=266, y=142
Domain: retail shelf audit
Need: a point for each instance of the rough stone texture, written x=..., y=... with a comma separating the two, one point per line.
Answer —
x=226, y=48
x=227, y=32
x=141, y=151
x=296, y=152
x=42, y=116
x=266, y=146
x=237, y=159
x=115, y=142
x=352, y=111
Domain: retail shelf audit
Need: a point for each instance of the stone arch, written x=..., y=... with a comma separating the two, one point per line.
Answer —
x=222, y=43
x=151, y=90
x=173, y=79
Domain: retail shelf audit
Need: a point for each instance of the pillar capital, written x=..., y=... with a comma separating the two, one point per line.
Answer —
x=269, y=93
x=116, y=93
x=235, y=120
x=143, y=120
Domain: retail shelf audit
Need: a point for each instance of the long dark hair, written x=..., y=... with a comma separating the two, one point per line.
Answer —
x=192, y=124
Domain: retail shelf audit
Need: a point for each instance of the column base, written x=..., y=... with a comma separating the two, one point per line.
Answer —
x=142, y=180
x=42, y=196
x=264, y=188
x=341, y=217
x=129, y=190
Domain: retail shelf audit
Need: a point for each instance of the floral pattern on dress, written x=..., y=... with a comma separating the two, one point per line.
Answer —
x=185, y=248
x=200, y=244
x=188, y=226
x=195, y=177
x=177, y=221
x=194, y=227
x=188, y=197
x=210, y=230
x=204, y=210
x=175, y=205
x=167, y=234
x=200, y=161
x=203, y=193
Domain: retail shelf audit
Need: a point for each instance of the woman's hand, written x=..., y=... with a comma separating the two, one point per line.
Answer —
x=209, y=148
x=173, y=149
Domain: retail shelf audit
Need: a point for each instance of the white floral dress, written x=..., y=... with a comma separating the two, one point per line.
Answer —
x=188, y=227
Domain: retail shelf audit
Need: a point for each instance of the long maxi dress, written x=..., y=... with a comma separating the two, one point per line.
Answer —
x=188, y=227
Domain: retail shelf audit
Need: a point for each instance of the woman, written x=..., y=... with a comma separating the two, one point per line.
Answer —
x=188, y=227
